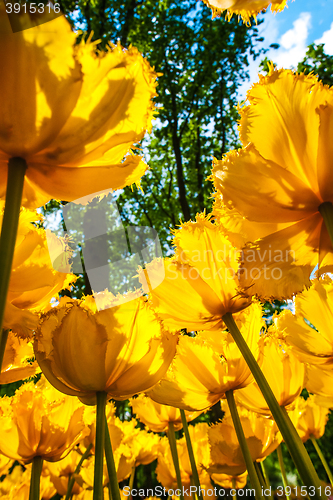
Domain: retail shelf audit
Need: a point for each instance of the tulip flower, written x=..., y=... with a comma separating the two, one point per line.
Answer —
x=71, y=112
x=244, y=8
x=208, y=365
x=120, y=350
x=228, y=481
x=60, y=473
x=309, y=330
x=39, y=421
x=165, y=469
x=16, y=486
x=262, y=437
x=33, y=281
x=201, y=284
x=284, y=373
x=310, y=418
x=287, y=169
x=158, y=416
x=16, y=363
x=319, y=381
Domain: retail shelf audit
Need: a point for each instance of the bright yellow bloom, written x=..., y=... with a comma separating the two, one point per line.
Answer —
x=208, y=365
x=312, y=343
x=16, y=486
x=284, y=373
x=244, y=8
x=201, y=284
x=70, y=113
x=33, y=280
x=309, y=418
x=157, y=416
x=319, y=381
x=261, y=433
x=144, y=445
x=40, y=421
x=121, y=350
x=15, y=365
x=227, y=481
x=285, y=165
x=61, y=471
x=165, y=470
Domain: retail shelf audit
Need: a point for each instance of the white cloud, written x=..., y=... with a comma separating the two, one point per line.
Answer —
x=293, y=43
x=327, y=39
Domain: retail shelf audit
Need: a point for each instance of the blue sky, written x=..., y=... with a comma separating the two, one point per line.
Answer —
x=302, y=23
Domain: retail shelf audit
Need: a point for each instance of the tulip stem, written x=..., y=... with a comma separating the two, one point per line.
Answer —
x=131, y=481
x=282, y=469
x=71, y=482
x=175, y=458
x=243, y=444
x=3, y=342
x=294, y=443
x=99, y=446
x=264, y=472
x=36, y=470
x=322, y=459
x=326, y=211
x=259, y=474
x=15, y=180
x=113, y=481
x=195, y=474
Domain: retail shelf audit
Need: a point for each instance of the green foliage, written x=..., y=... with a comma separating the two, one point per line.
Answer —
x=318, y=62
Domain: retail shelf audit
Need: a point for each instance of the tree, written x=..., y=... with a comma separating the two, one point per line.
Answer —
x=203, y=62
x=317, y=62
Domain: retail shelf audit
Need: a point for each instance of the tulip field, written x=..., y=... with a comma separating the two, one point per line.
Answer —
x=199, y=366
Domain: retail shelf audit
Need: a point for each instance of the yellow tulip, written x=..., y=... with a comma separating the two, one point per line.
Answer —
x=121, y=350
x=15, y=365
x=208, y=365
x=309, y=418
x=33, y=281
x=165, y=470
x=201, y=284
x=319, y=381
x=285, y=165
x=60, y=473
x=144, y=445
x=227, y=481
x=312, y=343
x=40, y=422
x=244, y=8
x=16, y=485
x=284, y=373
x=261, y=433
x=157, y=416
x=70, y=112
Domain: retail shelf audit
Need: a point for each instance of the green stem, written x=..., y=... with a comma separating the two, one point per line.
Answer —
x=243, y=444
x=113, y=480
x=283, y=470
x=15, y=180
x=195, y=474
x=233, y=485
x=322, y=458
x=71, y=482
x=131, y=481
x=36, y=470
x=3, y=341
x=326, y=211
x=175, y=458
x=259, y=474
x=99, y=446
x=264, y=472
x=293, y=441
x=109, y=490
